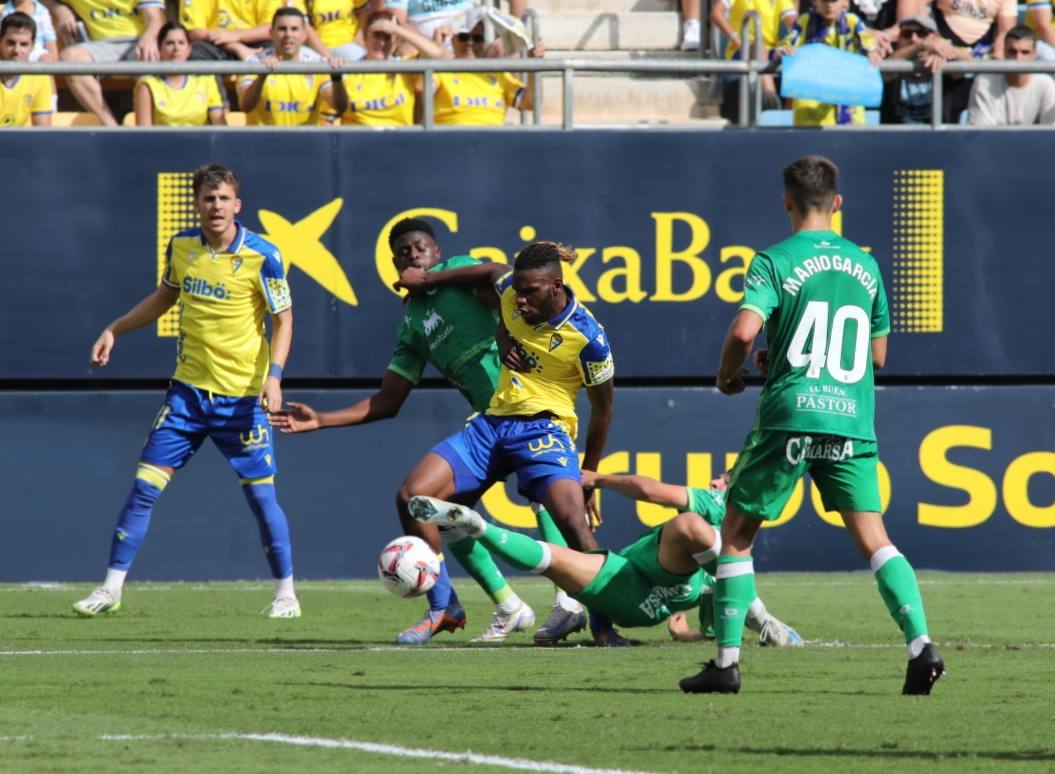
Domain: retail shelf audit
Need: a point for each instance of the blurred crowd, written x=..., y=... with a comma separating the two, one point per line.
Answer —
x=328, y=32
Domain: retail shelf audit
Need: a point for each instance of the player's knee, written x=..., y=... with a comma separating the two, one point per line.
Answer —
x=690, y=529
x=74, y=54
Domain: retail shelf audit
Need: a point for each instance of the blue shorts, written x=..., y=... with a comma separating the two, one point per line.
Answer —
x=490, y=448
x=238, y=427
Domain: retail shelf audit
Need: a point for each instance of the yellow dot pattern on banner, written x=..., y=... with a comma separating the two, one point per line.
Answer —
x=919, y=251
x=175, y=213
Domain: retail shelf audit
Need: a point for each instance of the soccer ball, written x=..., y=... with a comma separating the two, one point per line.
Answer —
x=408, y=567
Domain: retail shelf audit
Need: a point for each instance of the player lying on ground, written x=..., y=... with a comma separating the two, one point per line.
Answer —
x=454, y=330
x=226, y=279
x=821, y=300
x=662, y=573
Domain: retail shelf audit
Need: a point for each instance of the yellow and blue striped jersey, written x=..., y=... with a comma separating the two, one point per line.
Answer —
x=223, y=298
x=565, y=353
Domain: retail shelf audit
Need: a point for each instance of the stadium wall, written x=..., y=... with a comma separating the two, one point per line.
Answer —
x=665, y=224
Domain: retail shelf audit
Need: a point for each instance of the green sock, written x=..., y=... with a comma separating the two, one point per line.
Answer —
x=547, y=528
x=734, y=590
x=522, y=552
x=900, y=591
x=477, y=561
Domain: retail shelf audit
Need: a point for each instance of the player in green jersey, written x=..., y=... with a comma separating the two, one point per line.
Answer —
x=663, y=573
x=454, y=329
x=822, y=302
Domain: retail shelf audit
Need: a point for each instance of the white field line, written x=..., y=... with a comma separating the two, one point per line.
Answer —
x=520, y=764
x=827, y=644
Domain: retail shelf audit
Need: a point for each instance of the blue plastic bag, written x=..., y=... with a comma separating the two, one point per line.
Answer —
x=830, y=75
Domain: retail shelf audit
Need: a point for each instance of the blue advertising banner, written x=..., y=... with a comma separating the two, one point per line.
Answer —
x=664, y=223
x=968, y=479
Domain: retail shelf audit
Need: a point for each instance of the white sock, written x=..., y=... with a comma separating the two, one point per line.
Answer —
x=691, y=26
x=284, y=587
x=510, y=604
x=916, y=646
x=115, y=581
x=756, y=615
x=727, y=657
x=564, y=602
x=547, y=557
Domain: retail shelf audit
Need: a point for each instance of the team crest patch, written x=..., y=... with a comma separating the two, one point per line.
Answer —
x=236, y=264
x=563, y=461
x=555, y=341
x=279, y=291
x=516, y=314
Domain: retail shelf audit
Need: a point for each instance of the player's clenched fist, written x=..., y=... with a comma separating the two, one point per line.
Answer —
x=101, y=348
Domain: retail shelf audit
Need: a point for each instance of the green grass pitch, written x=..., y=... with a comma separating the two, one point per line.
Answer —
x=188, y=677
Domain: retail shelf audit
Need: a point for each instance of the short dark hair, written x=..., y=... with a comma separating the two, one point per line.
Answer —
x=18, y=21
x=407, y=225
x=1020, y=32
x=812, y=183
x=287, y=11
x=213, y=176
x=171, y=27
x=543, y=255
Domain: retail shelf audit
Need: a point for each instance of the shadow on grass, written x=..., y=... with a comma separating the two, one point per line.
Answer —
x=926, y=755
x=476, y=689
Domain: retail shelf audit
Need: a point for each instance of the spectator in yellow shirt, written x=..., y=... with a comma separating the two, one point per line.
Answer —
x=24, y=99
x=338, y=24
x=117, y=30
x=177, y=100
x=478, y=99
x=235, y=29
x=386, y=99
x=831, y=24
x=290, y=100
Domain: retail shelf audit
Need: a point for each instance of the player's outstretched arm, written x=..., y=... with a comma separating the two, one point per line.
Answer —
x=739, y=342
x=416, y=281
x=678, y=626
x=281, y=340
x=383, y=404
x=640, y=488
x=145, y=312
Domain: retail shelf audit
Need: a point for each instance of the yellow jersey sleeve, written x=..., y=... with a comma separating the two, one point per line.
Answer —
x=511, y=88
x=265, y=9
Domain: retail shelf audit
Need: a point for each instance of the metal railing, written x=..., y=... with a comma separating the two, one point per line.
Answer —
x=566, y=67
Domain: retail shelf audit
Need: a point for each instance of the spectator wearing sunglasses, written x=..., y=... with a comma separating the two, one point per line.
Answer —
x=907, y=97
x=478, y=99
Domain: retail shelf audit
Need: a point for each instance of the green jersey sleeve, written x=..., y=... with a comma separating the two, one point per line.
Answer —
x=708, y=503
x=409, y=359
x=761, y=289
x=880, y=313
x=455, y=262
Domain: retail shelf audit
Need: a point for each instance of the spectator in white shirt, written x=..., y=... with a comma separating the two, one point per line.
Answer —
x=1014, y=99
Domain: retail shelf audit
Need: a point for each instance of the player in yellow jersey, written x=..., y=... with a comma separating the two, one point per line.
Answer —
x=177, y=100
x=479, y=99
x=24, y=99
x=530, y=425
x=117, y=30
x=226, y=280
x=289, y=100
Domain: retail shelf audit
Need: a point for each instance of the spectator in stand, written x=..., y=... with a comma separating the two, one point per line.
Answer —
x=775, y=16
x=1013, y=99
x=386, y=99
x=290, y=100
x=235, y=30
x=882, y=17
x=337, y=22
x=478, y=99
x=830, y=23
x=430, y=16
x=116, y=30
x=24, y=99
x=1040, y=20
x=690, y=25
x=976, y=28
x=46, y=47
x=908, y=97
x=177, y=100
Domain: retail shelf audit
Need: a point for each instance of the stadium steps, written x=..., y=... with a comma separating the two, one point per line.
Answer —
x=621, y=30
